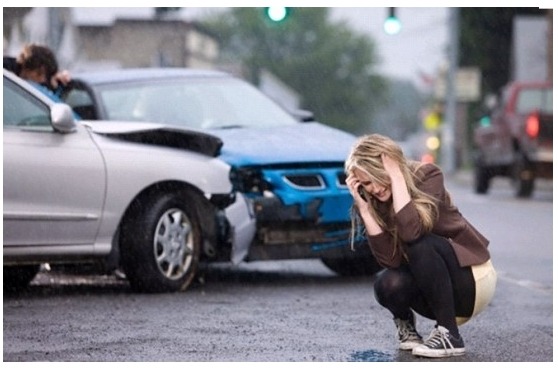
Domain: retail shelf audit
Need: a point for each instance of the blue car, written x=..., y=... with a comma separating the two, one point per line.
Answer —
x=287, y=168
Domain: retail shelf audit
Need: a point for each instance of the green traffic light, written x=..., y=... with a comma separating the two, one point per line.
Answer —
x=392, y=24
x=276, y=13
x=485, y=121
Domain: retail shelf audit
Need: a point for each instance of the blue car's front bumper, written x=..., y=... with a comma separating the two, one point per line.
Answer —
x=303, y=216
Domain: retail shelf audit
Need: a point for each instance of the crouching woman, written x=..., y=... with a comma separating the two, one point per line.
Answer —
x=436, y=263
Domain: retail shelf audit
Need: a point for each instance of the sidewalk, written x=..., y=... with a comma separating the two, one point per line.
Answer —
x=462, y=177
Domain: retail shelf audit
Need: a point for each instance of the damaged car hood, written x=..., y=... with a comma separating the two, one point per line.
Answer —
x=161, y=135
x=305, y=142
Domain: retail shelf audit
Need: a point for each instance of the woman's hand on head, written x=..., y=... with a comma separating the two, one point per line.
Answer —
x=391, y=166
x=399, y=191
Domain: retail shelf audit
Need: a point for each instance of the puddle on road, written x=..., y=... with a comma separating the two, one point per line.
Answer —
x=370, y=356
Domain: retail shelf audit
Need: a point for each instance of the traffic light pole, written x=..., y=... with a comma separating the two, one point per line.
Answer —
x=448, y=130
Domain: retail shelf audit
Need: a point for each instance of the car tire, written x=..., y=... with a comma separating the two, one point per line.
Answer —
x=160, y=243
x=362, y=263
x=481, y=177
x=523, y=177
x=364, y=266
x=17, y=278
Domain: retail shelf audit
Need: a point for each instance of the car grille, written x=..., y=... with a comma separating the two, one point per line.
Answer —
x=342, y=179
x=305, y=181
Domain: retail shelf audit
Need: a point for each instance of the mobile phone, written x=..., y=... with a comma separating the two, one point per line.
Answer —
x=361, y=192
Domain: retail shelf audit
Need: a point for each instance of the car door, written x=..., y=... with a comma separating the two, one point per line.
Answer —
x=54, y=183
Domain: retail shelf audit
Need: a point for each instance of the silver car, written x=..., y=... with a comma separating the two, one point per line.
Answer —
x=149, y=195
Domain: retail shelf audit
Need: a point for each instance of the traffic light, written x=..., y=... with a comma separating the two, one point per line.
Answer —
x=166, y=10
x=392, y=24
x=277, y=13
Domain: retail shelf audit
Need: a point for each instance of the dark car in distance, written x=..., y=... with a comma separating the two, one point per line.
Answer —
x=516, y=139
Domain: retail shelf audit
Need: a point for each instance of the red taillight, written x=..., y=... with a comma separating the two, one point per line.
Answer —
x=532, y=125
x=427, y=158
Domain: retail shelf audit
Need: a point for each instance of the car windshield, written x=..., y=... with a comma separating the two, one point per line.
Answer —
x=532, y=99
x=194, y=103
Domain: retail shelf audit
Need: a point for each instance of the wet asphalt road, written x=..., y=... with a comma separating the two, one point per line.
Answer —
x=289, y=311
x=286, y=311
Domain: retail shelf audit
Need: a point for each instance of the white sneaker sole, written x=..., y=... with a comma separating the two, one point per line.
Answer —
x=408, y=346
x=427, y=352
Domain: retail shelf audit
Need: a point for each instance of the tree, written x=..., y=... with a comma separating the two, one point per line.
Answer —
x=399, y=116
x=330, y=66
x=486, y=42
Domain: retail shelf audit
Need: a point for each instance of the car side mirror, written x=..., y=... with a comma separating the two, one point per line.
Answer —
x=62, y=118
x=303, y=115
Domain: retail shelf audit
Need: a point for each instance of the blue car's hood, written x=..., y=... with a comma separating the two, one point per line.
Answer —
x=307, y=142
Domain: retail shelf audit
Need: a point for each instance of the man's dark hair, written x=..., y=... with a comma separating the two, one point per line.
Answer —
x=34, y=56
x=10, y=64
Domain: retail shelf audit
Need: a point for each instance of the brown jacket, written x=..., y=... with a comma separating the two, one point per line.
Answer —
x=470, y=246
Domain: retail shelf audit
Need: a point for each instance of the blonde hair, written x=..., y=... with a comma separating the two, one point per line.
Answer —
x=366, y=156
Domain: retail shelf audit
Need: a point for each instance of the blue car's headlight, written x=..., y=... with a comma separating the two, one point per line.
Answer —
x=248, y=180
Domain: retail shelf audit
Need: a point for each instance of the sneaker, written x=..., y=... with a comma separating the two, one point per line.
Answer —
x=440, y=343
x=407, y=333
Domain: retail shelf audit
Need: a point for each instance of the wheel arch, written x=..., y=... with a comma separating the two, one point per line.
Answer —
x=205, y=211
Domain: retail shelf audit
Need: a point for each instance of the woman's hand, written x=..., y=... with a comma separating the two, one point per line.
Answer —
x=353, y=184
x=391, y=167
x=399, y=191
x=372, y=227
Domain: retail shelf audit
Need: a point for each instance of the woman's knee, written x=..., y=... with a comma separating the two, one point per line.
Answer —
x=389, y=282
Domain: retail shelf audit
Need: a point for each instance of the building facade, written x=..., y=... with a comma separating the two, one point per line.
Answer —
x=146, y=42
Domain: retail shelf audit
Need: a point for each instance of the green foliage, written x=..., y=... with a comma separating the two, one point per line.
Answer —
x=486, y=41
x=330, y=66
x=398, y=118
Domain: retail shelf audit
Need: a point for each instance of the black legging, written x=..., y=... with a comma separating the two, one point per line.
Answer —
x=432, y=283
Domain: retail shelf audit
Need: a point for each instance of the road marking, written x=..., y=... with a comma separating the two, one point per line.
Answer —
x=525, y=283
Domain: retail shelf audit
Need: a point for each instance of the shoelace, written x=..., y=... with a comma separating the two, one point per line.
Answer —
x=406, y=330
x=438, y=337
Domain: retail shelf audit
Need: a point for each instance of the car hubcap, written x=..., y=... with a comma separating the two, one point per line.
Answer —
x=174, y=244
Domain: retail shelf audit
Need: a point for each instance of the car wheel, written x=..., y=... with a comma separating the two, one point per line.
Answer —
x=362, y=263
x=17, y=278
x=161, y=243
x=352, y=266
x=523, y=177
x=481, y=177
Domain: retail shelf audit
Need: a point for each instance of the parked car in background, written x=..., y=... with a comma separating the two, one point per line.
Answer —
x=288, y=168
x=139, y=194
x=515, y=141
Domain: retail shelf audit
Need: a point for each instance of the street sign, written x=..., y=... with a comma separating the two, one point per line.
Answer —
x=467, y=85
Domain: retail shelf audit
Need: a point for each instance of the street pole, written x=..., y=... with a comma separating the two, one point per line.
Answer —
x=448, y=131
x=54, y=27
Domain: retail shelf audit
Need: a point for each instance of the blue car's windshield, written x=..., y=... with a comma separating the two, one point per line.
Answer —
x=194, y=103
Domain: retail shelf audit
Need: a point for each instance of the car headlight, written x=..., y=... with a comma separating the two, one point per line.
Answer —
x=248, y=180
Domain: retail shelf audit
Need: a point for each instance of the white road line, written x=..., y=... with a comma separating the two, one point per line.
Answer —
x=525, y=283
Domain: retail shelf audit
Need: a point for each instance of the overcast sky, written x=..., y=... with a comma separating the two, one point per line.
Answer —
x=419, y=48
